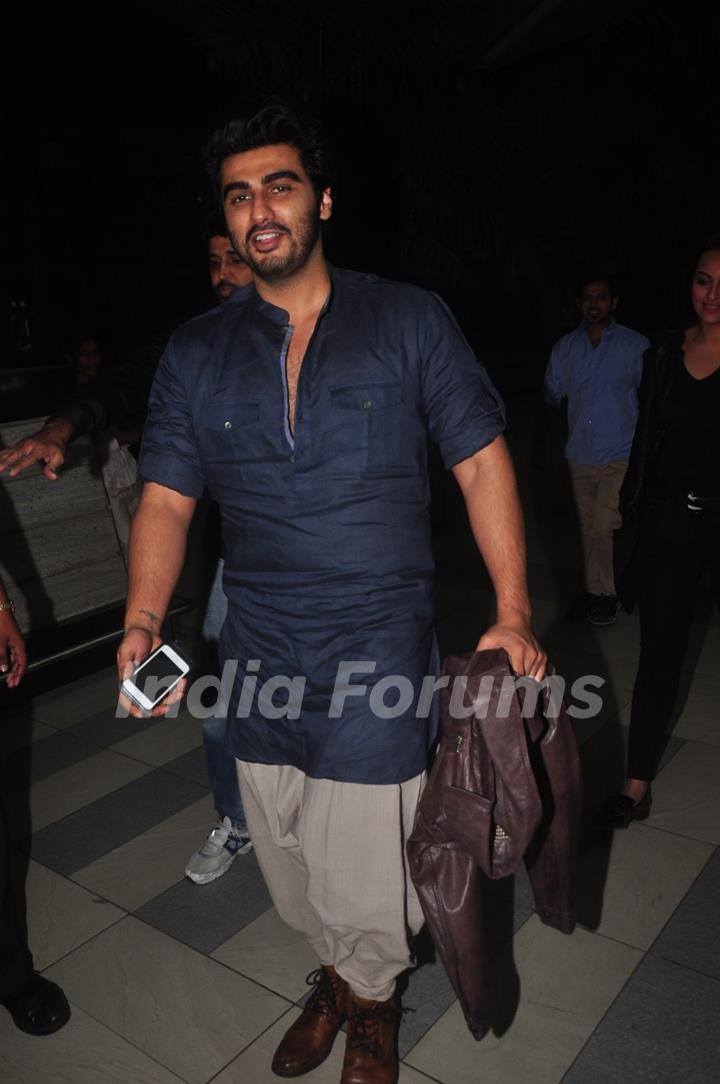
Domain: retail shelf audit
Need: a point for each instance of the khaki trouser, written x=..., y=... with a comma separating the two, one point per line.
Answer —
x=597, y=492
x=333, y=858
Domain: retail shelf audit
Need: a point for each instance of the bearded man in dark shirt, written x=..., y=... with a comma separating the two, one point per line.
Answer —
x=304, y=407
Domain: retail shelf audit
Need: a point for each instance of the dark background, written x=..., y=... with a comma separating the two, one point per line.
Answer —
x=493, y=151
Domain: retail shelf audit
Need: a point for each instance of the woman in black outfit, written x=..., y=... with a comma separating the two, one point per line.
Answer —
x=671, y=494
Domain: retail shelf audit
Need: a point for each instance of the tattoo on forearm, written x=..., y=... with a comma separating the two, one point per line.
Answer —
x=154, y=619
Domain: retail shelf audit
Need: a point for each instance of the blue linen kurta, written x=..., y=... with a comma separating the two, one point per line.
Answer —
x=326, y=530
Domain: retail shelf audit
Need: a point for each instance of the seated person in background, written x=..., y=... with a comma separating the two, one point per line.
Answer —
x=120, y=441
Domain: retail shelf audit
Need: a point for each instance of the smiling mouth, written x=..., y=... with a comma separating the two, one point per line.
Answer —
x=266, y=240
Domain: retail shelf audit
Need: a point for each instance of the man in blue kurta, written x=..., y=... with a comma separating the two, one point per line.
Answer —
x=304, y=406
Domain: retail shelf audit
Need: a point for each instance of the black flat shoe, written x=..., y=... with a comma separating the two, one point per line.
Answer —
x=619, y=811
x=40, y=1008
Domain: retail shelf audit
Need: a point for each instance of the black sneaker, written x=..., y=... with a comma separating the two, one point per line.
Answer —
x=603, y=610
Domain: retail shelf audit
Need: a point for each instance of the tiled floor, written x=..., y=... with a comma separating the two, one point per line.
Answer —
x=171, y=982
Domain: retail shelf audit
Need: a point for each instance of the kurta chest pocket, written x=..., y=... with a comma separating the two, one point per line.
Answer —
x=229, y=432
x=369, y=428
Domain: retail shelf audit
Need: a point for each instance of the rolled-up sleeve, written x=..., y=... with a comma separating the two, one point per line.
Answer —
x=464, y=411
x=169, y=454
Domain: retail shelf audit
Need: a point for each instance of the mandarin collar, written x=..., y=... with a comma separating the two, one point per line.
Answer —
x=280, y=317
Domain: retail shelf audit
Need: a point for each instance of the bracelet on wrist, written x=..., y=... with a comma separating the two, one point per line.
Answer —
x=8, y=606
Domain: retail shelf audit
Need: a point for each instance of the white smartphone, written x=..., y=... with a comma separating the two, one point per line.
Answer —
x=157, y=676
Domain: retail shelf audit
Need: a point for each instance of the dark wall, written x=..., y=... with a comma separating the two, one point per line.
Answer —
x=494, y=185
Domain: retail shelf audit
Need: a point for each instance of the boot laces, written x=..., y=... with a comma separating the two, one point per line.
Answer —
x=365, y=1027
x=323, y=999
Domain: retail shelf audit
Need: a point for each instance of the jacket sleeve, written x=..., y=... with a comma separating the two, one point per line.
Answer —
x=631, y=491
x=551, y=859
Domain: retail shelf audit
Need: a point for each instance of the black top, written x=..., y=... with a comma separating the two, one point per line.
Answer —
x=689, y=456
x=663, y=374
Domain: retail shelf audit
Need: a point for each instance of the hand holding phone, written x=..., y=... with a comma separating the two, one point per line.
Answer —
x=155, y=683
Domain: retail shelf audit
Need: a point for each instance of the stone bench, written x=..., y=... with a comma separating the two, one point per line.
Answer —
x=60, y=556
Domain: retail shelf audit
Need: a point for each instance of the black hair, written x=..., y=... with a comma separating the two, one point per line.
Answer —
x=710, y=244
x=79, y=334
x=273, y=123
x=213, y=225
x=597, y=275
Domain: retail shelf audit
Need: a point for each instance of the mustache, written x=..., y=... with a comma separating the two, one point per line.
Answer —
x=275, y=226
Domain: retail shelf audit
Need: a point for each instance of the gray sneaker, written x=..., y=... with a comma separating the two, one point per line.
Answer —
x=217, y=853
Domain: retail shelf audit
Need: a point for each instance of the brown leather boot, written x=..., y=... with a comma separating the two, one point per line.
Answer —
x=309, y=1040
x=371, y=1054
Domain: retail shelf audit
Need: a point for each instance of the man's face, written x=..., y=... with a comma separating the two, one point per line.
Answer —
x=87, y=359
x=272, y=212
x=596, y=303
x=228, y=272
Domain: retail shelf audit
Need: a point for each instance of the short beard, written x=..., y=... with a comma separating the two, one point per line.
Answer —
x=280, y=268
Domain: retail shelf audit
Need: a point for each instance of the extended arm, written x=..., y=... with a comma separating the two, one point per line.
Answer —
x=157, y=552
x=88, y=409
x=48, y=446
x=487, y=481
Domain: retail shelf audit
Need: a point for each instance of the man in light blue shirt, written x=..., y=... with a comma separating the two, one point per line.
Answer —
x=597, y=368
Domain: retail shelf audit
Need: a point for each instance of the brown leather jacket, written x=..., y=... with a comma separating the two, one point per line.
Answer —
x=503, y=789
